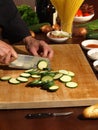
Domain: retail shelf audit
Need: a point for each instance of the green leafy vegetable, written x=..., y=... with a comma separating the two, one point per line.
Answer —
x=28, y=14
x=90, y=26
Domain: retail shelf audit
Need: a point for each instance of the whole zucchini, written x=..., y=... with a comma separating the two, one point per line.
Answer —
x=92, y=35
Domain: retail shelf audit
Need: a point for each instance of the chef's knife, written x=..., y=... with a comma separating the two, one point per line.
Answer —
x=27, y=61
x=46, y=115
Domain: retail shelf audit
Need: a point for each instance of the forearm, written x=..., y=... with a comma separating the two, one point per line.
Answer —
x=14, y=28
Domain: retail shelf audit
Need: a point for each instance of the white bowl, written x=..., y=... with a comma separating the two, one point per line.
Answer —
x=57, y=36
x=83, y=18
x=95, y=65
x=93, y=54
x=89, y=44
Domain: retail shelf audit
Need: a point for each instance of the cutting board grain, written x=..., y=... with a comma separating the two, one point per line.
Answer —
x=66, y=56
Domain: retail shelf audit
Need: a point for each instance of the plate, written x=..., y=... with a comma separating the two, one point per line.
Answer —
x=93, y=54
x=27, y=61
x=83, y=18
x=89, y=44
x=58, y=36
x=95, y=65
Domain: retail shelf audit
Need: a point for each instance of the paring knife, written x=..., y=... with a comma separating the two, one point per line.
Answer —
x=46, y=115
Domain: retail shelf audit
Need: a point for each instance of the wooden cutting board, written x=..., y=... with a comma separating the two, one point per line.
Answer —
x=66, y=56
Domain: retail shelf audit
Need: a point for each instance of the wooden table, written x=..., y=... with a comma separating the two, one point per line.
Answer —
x=14, y=119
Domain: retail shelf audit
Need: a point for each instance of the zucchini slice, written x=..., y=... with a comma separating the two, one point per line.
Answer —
x=14, y=81
x=71, y=84
x=57, y=76
x=34, y=83
x=70, y=73
x=42, y=64
x=46, y=85
x=26, y=75
x=65, y=78
x=5, y=78
x=53, y=88
x=47, y=78
x=63, y=71
x=35, y=76
x=22, y=79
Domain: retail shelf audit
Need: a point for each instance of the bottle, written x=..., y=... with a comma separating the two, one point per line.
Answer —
x=50, y=12
x=45, y=10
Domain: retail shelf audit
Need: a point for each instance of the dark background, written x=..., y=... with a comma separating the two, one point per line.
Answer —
x=32, y=3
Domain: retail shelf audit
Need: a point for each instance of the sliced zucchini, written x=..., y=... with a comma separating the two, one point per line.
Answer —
x=31, y=71
x=65, y=78
x=47, y=78
x=46, y=85
x=22, y=79
x=35, y=71
x=71, y=84
x=70, y=73
x=53, y=88
x=44, y=73
x=35, y=76
x=42, y=64
x=26, y=75
x=5, y=78
x=48, y=73
x=34, y=83
x=63, y=71
x=13, y=81
x=57, y=76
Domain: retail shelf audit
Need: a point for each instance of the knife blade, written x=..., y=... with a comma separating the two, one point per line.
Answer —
x=27, y=61
x=46, y=115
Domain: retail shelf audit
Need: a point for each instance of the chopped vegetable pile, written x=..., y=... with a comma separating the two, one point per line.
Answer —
x=43, y=77
x=85, y=10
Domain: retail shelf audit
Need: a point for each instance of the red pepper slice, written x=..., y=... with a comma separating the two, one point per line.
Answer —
x=79, y=13
x=86, y=14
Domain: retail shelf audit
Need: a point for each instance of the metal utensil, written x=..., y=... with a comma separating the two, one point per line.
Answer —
x=27, y=61
x=46, y=115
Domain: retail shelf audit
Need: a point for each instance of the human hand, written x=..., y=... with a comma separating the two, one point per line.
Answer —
x=38, y=47
x=7, y=53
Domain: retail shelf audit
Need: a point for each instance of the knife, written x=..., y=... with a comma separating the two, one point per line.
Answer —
x=46, y=115
x=27, y=61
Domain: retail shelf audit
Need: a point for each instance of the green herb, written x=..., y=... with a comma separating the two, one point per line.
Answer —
x=28, y=14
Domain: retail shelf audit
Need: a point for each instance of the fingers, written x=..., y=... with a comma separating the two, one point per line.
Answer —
x=38, y=47
x=7, y=53
x=13, y=56
x=10, y=57
x=47, y=50
x=48, y=53
x=7, y=58
x=33, y=51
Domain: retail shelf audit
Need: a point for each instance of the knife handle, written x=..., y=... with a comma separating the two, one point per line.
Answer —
x=38, y=115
